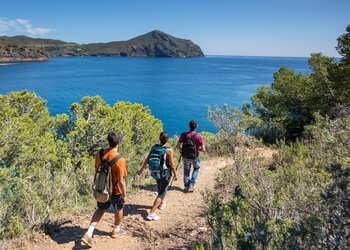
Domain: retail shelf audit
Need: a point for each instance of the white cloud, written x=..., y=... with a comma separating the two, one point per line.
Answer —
x=6, y=25
x=20, y=26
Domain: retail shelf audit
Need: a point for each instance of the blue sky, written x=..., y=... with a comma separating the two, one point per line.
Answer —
x=221, y=27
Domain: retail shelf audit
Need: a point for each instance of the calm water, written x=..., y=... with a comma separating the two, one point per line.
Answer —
x=176, y=90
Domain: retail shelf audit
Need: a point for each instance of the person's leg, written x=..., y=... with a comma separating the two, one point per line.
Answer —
x=96, y=217
x=157, y=202
x=162, y=189
x=196, y=164
x=187, y=170
x=118, y=216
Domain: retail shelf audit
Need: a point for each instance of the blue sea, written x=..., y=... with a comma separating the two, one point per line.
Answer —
x=175, y=89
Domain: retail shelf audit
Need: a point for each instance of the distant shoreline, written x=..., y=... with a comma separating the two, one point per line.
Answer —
x=8, y=62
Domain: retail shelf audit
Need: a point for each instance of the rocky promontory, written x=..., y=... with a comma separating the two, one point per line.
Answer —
x=153, y=44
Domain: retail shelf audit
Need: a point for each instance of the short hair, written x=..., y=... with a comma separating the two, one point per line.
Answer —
x=113, y=138
x=163, y=137
x=193, y=124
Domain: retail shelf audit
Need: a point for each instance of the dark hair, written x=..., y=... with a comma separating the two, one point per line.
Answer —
x=163, y=137
x=193, y=125
x=113, y=138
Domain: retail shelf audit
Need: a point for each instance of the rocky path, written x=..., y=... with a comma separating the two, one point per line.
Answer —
x=180, y=225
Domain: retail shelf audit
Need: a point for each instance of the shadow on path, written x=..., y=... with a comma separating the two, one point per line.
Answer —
x=62, y=234
x=153, y=188
x=134, y=209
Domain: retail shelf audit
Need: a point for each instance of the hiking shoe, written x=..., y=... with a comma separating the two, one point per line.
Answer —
x=153, y=217
x=186, y=189
x=190, y=189
x=87, y=240
x=162, y=206
x=118, y=232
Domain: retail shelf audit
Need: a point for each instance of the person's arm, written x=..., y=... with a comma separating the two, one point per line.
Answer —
x=121, y=177
x=178, y=145
x=122, y=186
x=171, y=162
x=202, y=146
x=145, y=163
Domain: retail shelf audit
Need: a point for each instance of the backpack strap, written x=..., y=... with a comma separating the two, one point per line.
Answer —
x=101, y=154
x=110, y=162
x=114, y=160
x=190, y=137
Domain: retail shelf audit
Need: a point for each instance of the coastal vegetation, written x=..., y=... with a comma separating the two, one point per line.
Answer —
x=45, y=162
x=301, y=197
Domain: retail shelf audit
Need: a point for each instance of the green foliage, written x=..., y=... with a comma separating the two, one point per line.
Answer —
x=85, y=129
x=289, y=104
x=344, y=44
x=232, y=125
x=31, y=160
x=47, y=163
x=285, y=102
x=299, y=199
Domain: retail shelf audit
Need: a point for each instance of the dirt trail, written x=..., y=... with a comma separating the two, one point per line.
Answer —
x=180, y=224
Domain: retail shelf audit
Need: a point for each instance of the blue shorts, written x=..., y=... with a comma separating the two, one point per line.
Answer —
x=114, y=205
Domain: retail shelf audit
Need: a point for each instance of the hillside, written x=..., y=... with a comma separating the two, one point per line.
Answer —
x=51, y=46
x=12, y=52
x=152, y=44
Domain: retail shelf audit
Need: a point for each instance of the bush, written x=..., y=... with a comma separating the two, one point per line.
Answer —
x=46, y=163
x=291, y=101
x=302, y=203
x=233, y=128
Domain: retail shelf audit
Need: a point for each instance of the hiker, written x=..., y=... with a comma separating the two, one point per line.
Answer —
x=189, y=144
x=116, y=163
x=161, y=163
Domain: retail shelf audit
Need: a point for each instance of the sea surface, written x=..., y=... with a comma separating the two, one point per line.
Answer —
x=175, y=89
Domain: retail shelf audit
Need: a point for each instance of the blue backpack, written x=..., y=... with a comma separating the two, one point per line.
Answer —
x=157, y=162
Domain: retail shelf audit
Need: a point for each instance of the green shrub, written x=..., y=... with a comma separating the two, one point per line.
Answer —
x=233, y=128
x=289, y=104
x=302, y=203
x=47, y=163
x=85, y=130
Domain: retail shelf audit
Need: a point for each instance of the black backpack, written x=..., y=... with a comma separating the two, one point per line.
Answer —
x=189, y=147
x=102, y=186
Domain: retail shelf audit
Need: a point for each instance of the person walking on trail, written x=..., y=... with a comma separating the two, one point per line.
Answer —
x=162, y=167
x=118, y=189
x=190, y=144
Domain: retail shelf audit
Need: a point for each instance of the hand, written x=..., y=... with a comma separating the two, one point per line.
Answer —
x=124, y=198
